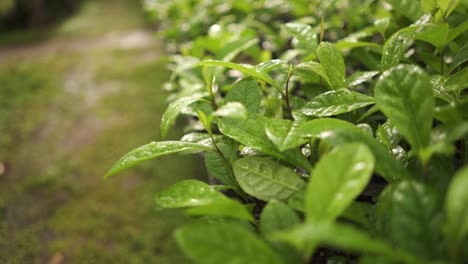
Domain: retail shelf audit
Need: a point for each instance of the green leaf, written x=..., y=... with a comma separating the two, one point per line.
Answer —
x=335, y=132
x=304, y=34
x=266, y=179
x=394, y=48
x=153, y=150
x=173, y=110
x=246, y=92
x=338, y=178
x=435, y=34
x=284, y=133
x=456, y=209
x=336, y=102
x=244, y=68
x=251, y=132
x=411, y=9
x=224, y=208
x=277, y=216
x=410, y=216
x=308, y=236
x=232, y=110
x=204, y=199
x=429, y=5
x=316, y=68
x=332, y=63
x=447, y=6
x=188, y=193
x=359, y=77
x=224, y=242
x=460, y=58
x=270, y=65
x=404, y=95
x=218, y=167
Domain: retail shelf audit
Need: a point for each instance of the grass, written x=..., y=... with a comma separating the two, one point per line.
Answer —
x=65, y=119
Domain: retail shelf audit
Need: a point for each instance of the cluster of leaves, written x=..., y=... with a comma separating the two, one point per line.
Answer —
x=330, y=137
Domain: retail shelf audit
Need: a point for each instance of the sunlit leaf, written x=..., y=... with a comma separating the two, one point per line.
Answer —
x=284, y=133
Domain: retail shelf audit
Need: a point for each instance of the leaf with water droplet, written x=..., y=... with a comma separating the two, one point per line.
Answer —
x=335, y=103
x=153, y=150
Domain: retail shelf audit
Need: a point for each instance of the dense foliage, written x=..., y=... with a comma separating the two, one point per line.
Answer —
x=333, y=130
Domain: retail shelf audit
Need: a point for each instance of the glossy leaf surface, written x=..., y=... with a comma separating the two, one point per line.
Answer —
x=404, y=95
x=332, y=63
x=338, y=178
x=153, y=150
x=284, y=133
x=336, y=102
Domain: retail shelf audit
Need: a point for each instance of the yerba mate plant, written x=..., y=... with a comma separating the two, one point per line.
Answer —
x=335, y=131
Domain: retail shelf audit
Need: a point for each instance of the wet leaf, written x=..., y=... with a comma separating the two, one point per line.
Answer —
x=153, y=150
x=173, y=110
x=266, y=179
x=338, y=178
x=404, y=95
x=336, y=102
x=246, y=92
x=332, y=63
x=284, y=133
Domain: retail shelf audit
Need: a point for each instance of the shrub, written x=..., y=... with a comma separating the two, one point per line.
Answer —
x=339, y=136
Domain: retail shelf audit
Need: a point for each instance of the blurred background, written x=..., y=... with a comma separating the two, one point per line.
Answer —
x=79, y=87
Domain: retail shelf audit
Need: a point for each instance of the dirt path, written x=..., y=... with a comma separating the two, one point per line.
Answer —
x=98, y=96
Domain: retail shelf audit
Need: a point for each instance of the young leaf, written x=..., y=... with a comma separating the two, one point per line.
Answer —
x=246, y=92
x=153, y=150
x=333, y=64
x=404, y=95
x=336, y=102
x=410, y=216
x=251, y=132
x=335, y=132
x=394, y=48
x=224, y=208
x=266, y=179
x=188, y=193
x=224, y=242
x=316, y=68
x=456, y=209
x=173, y=110
x=338, y=178
x=277, y=216
x=204, y=199
x=231, y=50
x=244, y=68
x=284, y=133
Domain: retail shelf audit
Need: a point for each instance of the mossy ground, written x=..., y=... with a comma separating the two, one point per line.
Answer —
x=67, y=113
